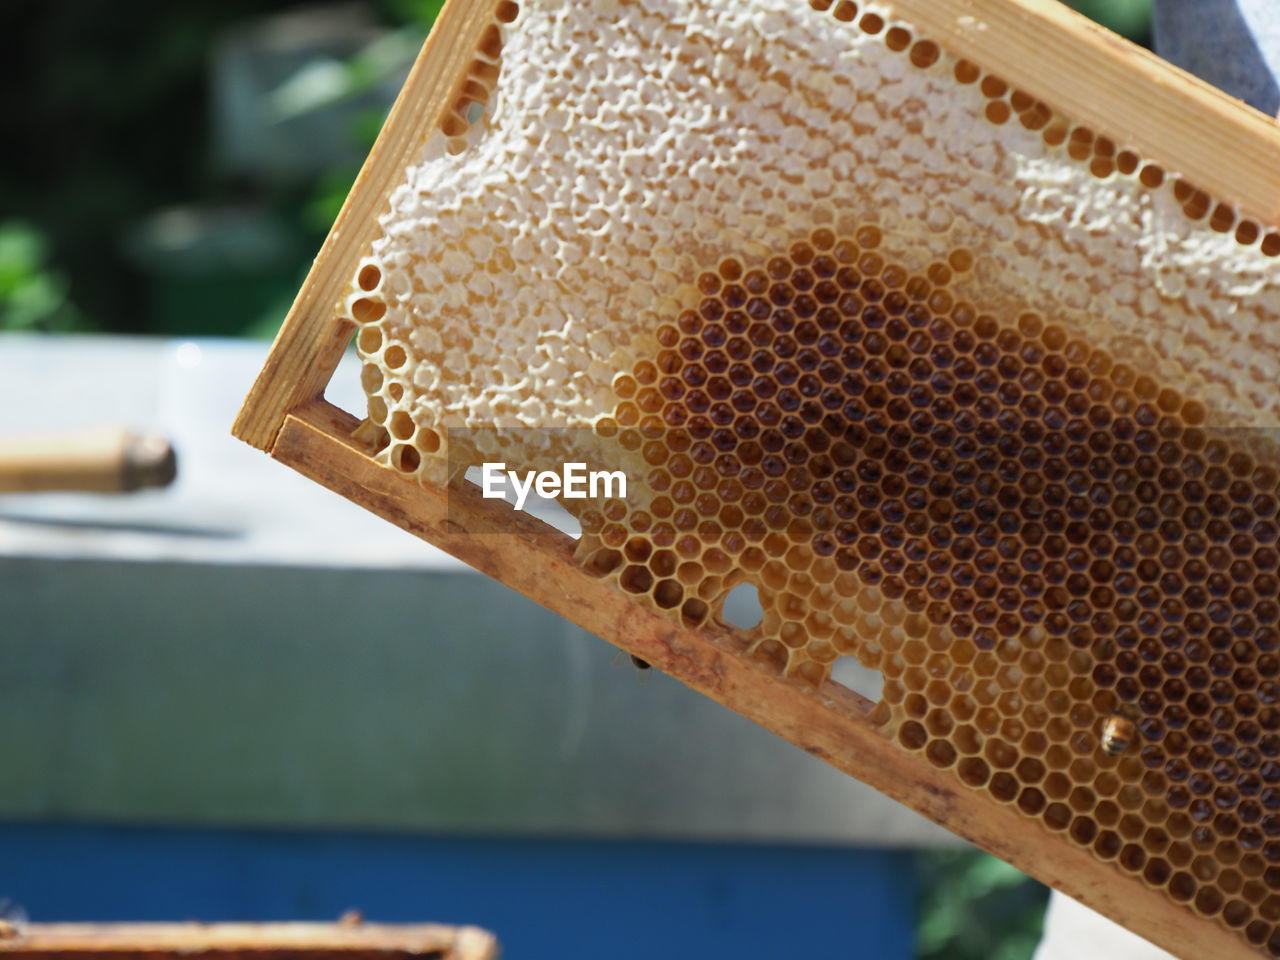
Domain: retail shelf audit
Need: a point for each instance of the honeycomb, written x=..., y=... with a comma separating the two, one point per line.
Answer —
x=966, y=391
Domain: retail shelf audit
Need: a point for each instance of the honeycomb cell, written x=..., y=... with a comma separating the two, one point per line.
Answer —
x=924, y=54
x=405, y=458
x=369, y=276
x=897, y=39
x=401, y=425
x=367, y=310
x=394, y=356
x=871, y=23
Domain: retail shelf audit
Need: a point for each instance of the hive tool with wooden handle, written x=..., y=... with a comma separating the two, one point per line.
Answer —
x=99, y=461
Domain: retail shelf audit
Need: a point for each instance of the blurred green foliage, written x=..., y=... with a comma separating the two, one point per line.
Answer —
x=421, y=12
x=110, y=123
x=33, y=294
x=1129, y=18
x=975, y=907
x=113, y=123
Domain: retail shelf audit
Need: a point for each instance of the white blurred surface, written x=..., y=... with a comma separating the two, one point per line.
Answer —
x=246, y=647
x=229, y=504
x=1072, y=931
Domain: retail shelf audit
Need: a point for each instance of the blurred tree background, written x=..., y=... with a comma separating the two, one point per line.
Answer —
x=129, y=205
x=117, y=201
x=124, y=207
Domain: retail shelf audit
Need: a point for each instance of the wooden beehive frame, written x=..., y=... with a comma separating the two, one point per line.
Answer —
x=1090, y=75
x=345, y=940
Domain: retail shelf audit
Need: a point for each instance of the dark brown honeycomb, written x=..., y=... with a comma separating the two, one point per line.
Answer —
x=1070, y=584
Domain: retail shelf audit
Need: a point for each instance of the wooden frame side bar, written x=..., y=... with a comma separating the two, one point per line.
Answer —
x=536, y=559
x=1092, y=76
x=310, y=343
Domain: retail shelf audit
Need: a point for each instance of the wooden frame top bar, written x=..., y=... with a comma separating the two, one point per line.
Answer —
x=1095, y=77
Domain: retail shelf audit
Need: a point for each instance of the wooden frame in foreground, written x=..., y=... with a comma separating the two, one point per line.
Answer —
x=1224, y=147
x=345, y=940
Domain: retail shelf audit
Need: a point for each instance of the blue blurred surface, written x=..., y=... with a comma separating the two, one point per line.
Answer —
x=543, y=898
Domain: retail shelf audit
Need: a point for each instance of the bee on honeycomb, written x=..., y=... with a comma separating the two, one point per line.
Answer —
x=1118, y=734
